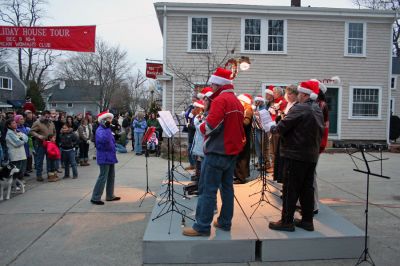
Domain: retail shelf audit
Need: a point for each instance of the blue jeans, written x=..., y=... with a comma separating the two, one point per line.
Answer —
x=120, y=148
x=216, y=172
x=68, y=157
x=138, y=142
x=1, y=155
x=39, y=157
x=107, y=175
x=51, y=165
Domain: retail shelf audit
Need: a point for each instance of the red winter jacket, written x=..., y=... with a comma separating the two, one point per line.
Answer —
x=223, y=128
x=53, y=152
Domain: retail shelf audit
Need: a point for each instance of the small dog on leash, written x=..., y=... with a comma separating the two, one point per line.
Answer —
x=7, y=180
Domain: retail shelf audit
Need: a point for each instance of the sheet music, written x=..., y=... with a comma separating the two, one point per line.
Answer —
x=266, y=120
x=167, y=123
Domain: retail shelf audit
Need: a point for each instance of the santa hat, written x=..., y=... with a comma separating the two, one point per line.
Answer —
x=270, y=90
x=245, y=97
x=199, y=104
x=221, y=77
x=321, y=85
x=309, y=87
x=206, y=92
x=103, y=115
x=259, y=98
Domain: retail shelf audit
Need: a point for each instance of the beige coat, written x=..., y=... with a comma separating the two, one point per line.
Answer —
x=41, y=129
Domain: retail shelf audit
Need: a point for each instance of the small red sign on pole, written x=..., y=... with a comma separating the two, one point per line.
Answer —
x=153, y=69
x=72, y=38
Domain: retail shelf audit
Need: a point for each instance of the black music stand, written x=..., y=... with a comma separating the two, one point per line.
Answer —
x=170, y=196
x=362, y=148
x=179, y=165
x=170, y=203
x=146, y=137
x=263, y=178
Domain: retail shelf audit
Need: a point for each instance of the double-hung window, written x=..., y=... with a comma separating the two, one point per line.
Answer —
x=275, y=35
x=355, y=44
x=365, y=102
x=199, y=33
x=261, y=35
x=252, y=37
x=5, y=83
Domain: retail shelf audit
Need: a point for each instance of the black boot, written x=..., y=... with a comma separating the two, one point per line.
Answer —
x=282, y=226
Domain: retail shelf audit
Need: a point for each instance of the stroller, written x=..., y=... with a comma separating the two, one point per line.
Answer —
x=152, y=144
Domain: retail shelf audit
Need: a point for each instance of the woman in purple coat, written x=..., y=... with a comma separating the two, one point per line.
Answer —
x=106, y=159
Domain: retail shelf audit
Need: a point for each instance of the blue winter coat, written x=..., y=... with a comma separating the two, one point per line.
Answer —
x=105, y=146
x=139, y=126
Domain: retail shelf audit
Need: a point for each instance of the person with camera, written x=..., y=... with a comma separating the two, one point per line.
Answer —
x=106, y=159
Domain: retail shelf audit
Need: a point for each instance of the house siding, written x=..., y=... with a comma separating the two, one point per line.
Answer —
x=76, y=108
x=18, y=91
x=395, y=94
x=315, y=49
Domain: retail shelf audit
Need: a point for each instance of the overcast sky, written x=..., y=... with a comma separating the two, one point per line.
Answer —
x=133, y=25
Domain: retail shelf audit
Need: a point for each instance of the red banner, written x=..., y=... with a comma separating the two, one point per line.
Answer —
x=153, y=69
x=73, y=38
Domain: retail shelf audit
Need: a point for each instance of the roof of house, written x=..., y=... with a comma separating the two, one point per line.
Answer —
x=3, y=64
x=74, y=91
x=303, y=11
x=396, y=66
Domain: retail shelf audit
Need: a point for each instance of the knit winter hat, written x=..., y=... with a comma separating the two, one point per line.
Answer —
x=17, y=118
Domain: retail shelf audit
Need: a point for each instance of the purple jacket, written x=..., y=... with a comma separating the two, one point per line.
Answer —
x=105, y=146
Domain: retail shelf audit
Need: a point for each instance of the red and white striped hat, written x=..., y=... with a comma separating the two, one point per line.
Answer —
x=245, y=97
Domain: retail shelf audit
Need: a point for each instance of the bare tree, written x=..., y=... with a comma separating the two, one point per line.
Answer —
x=385, y=5
x=194, y=75
x=108, y=68
x=32, y=63
x=137, y=90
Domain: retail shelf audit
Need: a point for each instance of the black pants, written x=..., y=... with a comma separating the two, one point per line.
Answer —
x=83, y=151
x=298, y=180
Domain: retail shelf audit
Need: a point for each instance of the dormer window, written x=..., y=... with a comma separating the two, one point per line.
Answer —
x=5, y=83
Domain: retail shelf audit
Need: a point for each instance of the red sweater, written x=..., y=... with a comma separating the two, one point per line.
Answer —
x=53, y=152
x=223, y=128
